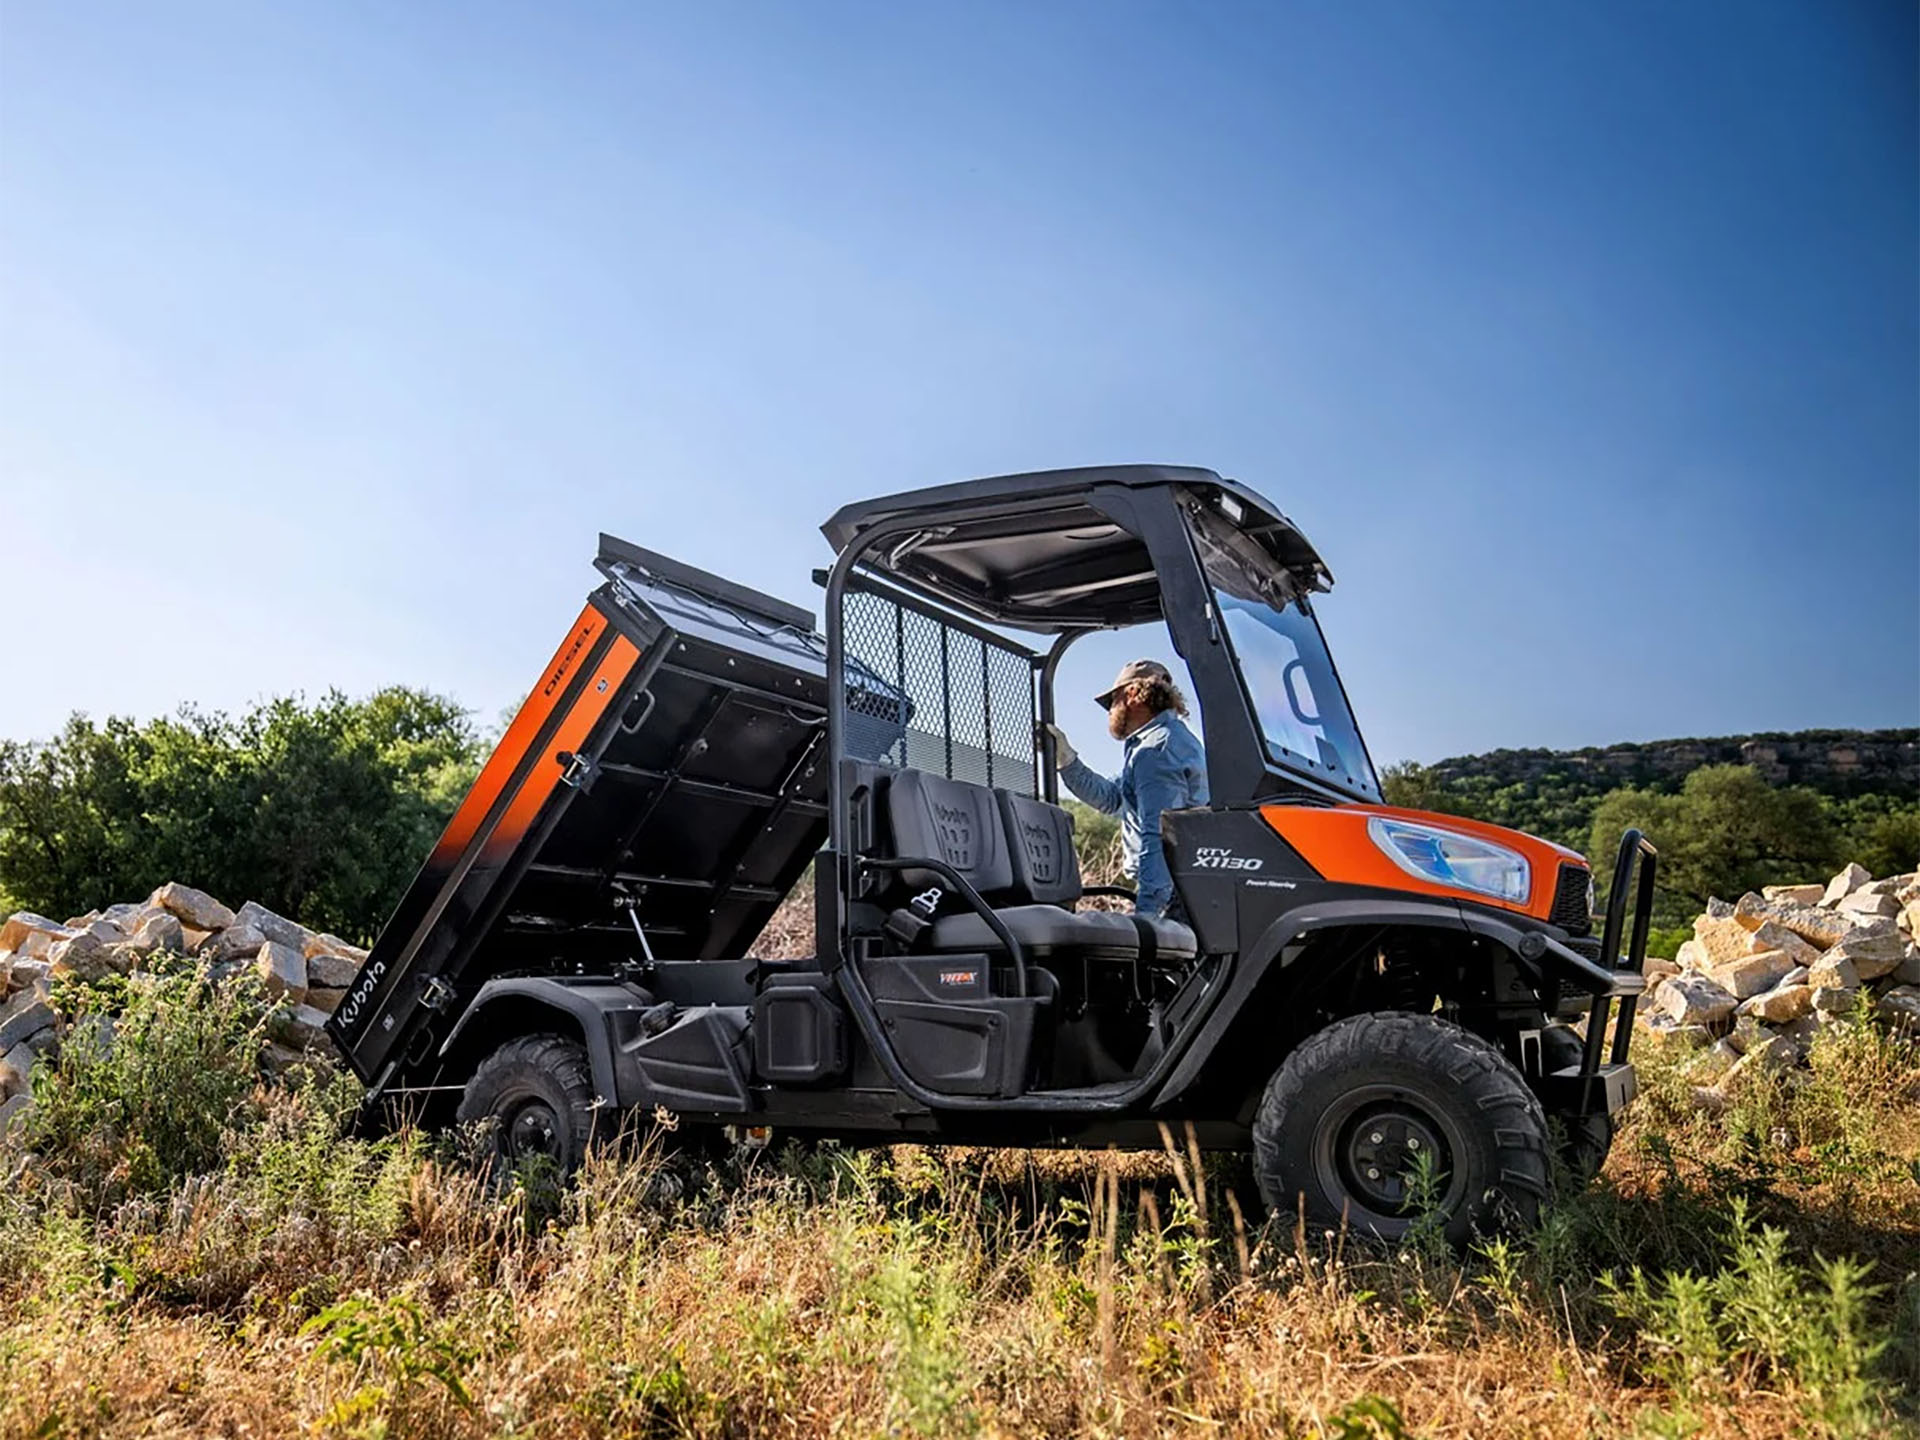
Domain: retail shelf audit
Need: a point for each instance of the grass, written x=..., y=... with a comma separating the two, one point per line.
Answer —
x=1749, y=1275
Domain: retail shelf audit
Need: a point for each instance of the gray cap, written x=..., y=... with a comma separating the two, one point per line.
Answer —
x=1129, y=672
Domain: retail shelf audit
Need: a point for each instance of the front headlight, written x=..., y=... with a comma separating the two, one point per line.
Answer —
x=1447, y=857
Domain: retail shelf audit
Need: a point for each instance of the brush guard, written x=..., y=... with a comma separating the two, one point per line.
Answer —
x=1603, y=1082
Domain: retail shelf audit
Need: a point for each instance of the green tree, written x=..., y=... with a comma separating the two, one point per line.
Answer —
x=321, y=812
x=1726, y=832
x=1413, y=786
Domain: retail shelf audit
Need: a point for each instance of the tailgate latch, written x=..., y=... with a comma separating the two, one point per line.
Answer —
x=578, y=770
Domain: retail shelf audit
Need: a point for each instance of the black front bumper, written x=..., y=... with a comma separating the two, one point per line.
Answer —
x=1604, y=1081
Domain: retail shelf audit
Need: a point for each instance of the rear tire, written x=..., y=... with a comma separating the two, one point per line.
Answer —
x=1345, y=1119
x=538, y=1092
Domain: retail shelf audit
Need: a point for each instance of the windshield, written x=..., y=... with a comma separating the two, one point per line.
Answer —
x=1289, y=677
x=1284, y=664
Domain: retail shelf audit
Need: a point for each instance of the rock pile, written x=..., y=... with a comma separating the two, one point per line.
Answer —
x=1762, y=975
x=306, y=973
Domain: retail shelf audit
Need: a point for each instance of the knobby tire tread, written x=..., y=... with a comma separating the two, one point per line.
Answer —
x=1511, y=1115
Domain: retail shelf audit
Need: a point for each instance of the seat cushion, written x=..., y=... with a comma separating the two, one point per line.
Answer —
x=1041, y=929
x=948, y=820
x=1046, y=869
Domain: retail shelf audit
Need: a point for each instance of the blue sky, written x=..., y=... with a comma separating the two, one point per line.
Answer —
x=1581, y=338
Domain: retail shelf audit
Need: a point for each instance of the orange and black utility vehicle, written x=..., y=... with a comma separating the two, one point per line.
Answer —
x=1390, y=1010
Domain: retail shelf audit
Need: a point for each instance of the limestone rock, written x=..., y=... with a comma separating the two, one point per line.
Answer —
x=1708, y=1100
x=276, y=928
x=16, y=1071
x=1868, y=904
x=236, y=942
x=1834, y=972
x=1908, y=972
x=300, y=1026
x=1747, y=1032
x=92, y=954
x=323, y=999
x=1772, y=935
x=1844, y=884
x=1750, y=975
x=1716, y=1060
x=161, y=931
x=1874, y=951
x=1718, y=909
x=1691, y=955
x=192, y=907
x=25, y=1014
x=333, y=945
x=1820, y=927
x=1909, y=918
x=30, y=936
x=1780, y=1005
x=1695, y=1000
x=123, y=917
x=1657, y=970
x=1794, y=894
x=1900, y=1007
x=1802, y=1031
x=1724, y=940
x=10, y=1112
x=28, y=973
x=283, y=971
x=1831, y=1000
x=277, y=1059
x=331, y=972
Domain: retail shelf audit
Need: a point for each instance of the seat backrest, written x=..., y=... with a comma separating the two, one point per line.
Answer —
x=948, y=820
x=1046, y=868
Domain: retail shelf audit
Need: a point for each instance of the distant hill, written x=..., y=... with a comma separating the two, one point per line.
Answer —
x=1837, y=763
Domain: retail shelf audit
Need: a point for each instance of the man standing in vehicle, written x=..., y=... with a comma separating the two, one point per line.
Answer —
x=1165, y=768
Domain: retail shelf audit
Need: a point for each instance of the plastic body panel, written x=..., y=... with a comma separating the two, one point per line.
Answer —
x=799, y=1030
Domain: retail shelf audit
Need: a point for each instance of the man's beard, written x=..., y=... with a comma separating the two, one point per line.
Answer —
x=1117, y=725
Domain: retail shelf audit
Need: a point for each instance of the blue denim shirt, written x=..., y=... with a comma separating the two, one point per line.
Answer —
x=1165, y=769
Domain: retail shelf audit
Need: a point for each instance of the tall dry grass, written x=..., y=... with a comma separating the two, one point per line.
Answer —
x=1750, y=1276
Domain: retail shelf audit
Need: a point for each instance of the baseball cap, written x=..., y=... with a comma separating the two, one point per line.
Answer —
x=1131, y=671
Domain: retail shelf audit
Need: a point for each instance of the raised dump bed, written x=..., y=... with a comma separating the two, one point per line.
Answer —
x=667, y=773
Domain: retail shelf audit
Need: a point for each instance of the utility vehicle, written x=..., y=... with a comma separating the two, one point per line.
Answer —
x=1373, y=1001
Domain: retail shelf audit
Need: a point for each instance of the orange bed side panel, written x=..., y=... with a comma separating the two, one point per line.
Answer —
x=1335, y=843
x=527, y=722
x=603, y=686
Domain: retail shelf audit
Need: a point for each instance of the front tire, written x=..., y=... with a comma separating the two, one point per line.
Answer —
x=538, y=1094
x=1344, y=1122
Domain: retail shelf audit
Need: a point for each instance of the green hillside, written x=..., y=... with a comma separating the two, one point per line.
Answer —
x=1729, y=813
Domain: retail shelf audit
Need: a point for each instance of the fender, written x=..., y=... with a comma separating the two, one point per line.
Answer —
x=589, y=1005
x=1255, y=961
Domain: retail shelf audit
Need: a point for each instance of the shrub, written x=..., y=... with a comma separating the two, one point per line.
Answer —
x=139, y=1099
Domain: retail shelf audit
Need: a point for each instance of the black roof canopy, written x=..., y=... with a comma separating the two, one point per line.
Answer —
x=1044, y=551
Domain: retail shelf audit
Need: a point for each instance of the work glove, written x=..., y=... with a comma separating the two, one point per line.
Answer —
x=1063, y=754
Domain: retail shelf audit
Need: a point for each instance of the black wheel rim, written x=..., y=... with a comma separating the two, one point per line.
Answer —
x=531, y=1128
x=1368, y=1146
